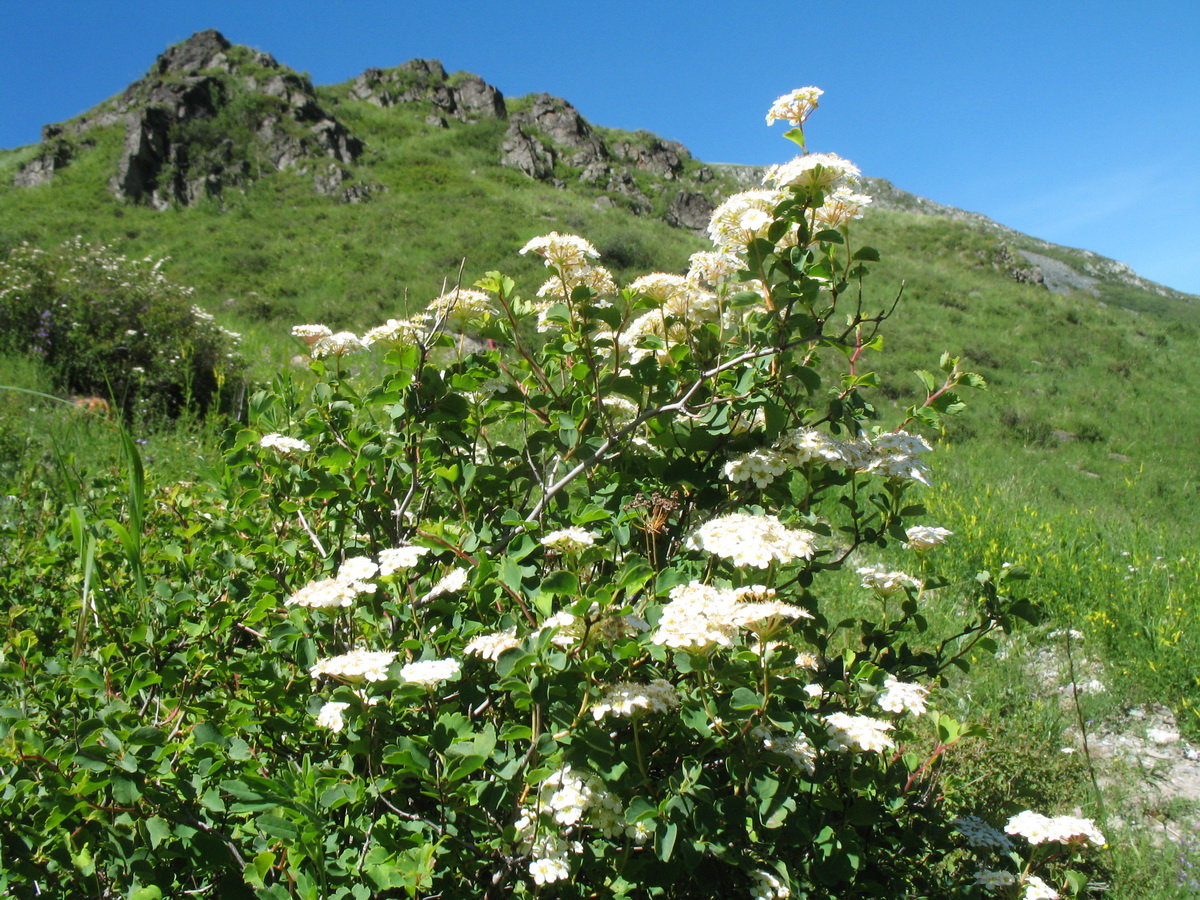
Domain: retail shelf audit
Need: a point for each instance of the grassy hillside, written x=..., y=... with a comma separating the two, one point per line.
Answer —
x=1079, y=463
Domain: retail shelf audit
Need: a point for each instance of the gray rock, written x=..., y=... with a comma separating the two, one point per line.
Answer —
x=203, y=50
x=41, y=168
x=524, y=153
x=425, y=80
x=474, y=97
x=146, y=152
x=653, y=154
x=691, y=210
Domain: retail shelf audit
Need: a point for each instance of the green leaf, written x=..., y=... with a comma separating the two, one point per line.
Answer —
x=150, y=892
x=560, y=582
x=866, y=254
x=743, y=698
x=664, y=840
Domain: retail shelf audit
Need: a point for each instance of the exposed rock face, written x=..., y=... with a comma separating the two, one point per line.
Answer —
x=206, y=117
x=691, y=210
x=566, y=128
x=41, y=168
x=522, y=152
x=465, y=97
x=653, y=154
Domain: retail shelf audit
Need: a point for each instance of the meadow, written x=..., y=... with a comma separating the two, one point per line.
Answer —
x=1075, y=466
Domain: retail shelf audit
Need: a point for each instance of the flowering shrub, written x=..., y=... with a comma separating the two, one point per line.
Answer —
x=521, y=617
x=114, y=327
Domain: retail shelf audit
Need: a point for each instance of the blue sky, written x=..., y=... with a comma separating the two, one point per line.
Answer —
x=1075, y=122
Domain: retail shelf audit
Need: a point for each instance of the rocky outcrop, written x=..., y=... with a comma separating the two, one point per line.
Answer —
x=209, y=116
x=464, y=96
x=652, y=154
x=691, y=210
x=42, y=167
x=521, y=151
x=568, y=132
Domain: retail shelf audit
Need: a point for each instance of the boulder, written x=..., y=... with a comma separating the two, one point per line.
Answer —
x=653, y=154
x=41, y=168
x=524, y=153
x=691, y=210
x=474, y=97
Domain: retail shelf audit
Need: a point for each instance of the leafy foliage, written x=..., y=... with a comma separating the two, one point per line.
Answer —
x=108, y=326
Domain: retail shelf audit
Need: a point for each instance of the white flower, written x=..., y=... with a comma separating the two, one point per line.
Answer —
x=899, y=696
x=371, y=665
x=561, y=251
x=760, y=466
x=925, y=537
x=1036, y=889
x=397, y=332
x=795, y=107
x=431, y=672
x=897, y=456
x=340, y=344
x=757, y=541
x=548, y=871
x=569, y=540
x=805, y=445
x=814, y=170
x=310, y=334
x=767, y=886
x=396, y=558
x=981, y=835
x=283, y=444
x=357, y=573
x=626, y=699
x=840, y=206
x=850, y=732
x=461, y=307
x=452, y=582
x=743, y=218
x=324, y=594
x=330, y=716
x=795, y=747
x=490, y=646
x=1039, y=829
x=994, y=881
x=885, y=583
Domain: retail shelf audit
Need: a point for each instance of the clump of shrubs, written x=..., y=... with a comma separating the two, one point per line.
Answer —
x=117, y=328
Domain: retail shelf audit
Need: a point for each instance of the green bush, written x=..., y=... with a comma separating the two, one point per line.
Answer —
x=115, y=328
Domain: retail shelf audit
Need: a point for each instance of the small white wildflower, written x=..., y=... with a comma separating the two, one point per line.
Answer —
x=748, y=540
x=884, y=582
x=628, y=699
x=324, y=594
x=1039, y=829
x=795, y=106
x=330, y=716
x=925, y=537
x=490, y=646
x=395, y=558
x=569, y=540
x=899, y=696
x=371, y=665
x=1036, y=889
x=431, y=672
x=452, y=582
x=850, y=732
x=994, y=881
x=283, y=444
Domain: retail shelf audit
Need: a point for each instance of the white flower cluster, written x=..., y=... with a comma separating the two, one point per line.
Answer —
x=815, y=171
x=1036, y=889
x=768, y=886
x=450, y=583
x=461, y=308
x=840, y=206
x=745, y=217
x=629, y=699
x=357, y=665
x=925, y=537
x=561, y=251
x=283, y=444
x=857, y=733
x=1039, y=829
x=796, y=747
x=342, y=343
x=900, y=696
x=993, y=880
x=569, y=540
x=565, y=802
x=398, y=332
x=795, y=106
x=757, y=541
x=891, y=455
x=699, y=616
x=330, y=716
x=394, y=559
x=878, y=579
x=491, y=645
x=353, y=578
x=981, y=835
x=430, y=672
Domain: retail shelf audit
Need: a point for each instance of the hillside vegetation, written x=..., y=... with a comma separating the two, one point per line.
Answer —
x=1078, y=464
